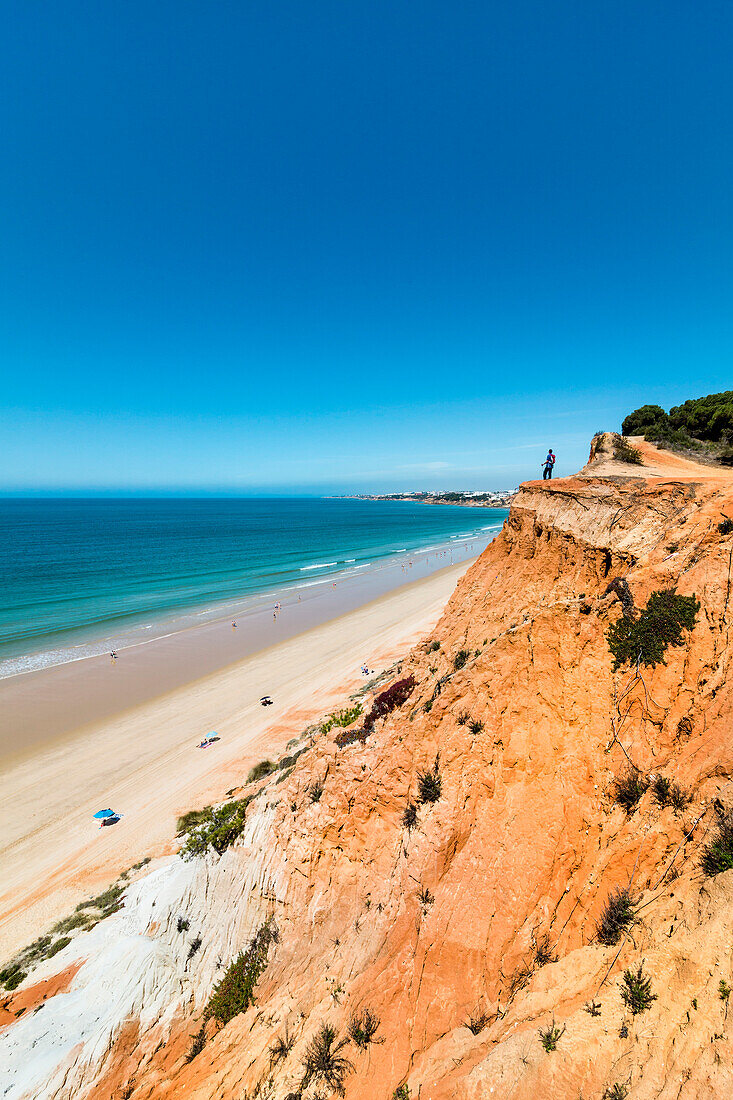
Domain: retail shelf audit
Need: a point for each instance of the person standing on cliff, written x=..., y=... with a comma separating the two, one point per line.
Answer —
x=549, y=463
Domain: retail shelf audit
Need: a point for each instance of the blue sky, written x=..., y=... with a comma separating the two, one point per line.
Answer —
x=310, y=247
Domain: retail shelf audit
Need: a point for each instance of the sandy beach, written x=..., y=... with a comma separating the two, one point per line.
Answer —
x=141, y=759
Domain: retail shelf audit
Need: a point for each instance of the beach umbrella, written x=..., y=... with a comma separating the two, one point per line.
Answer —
x=105, y=813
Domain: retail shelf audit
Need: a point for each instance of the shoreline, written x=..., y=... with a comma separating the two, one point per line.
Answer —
x=143, y=760
x=42, y=706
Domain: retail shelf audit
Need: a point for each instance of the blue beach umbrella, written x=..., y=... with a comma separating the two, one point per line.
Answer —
x=105, y=813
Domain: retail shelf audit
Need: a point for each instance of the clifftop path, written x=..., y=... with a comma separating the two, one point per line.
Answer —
x=486, y=908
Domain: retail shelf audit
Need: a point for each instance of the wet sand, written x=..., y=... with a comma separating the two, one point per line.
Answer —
x=142, y=760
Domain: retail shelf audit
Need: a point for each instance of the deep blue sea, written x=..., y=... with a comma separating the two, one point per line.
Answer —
x=79, y=570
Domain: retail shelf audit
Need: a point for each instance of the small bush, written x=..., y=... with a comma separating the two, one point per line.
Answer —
x=388, y=700
x=543, y=952
x=108, y=902
x=433, y=646
x=259, y=771
x=724, y=990
x=235, y=992
x=324, y=1063
x=402, y=1092
x=625, y=452
x=463, y=718
x=194, y=946
x=427, y=706
x=616, y=1092
x=11, y=977
x=409, y=816
x=667, y=793
x=659, y=625
x=476, y=726
x=618, y=915
x=182, y=924
x=198, y=1042
x=342, y=718
x=190, y=820
x=59, y=945
x=316, y=790
x=726, y=526
x=425, y=897
x=351, y=737
x=593, y=1008
x=718, y=855
x=460, y=659
x=636, y=991
x=282, y=1046
x=429, y=786
x=550, y=1036
x=477, y=1021
x=218, y=830
x=628, y=789
x=363, y=1026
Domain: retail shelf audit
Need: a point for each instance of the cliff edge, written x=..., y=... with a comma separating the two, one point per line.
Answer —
x=501, y=886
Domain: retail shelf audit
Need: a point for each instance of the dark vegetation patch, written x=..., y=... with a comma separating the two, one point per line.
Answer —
x=636, y=990
x=704, y=423
x=409, y=816
x=217, y=829
x=235, y=992
x=316, y=790
x=282, y=1046
x=190, y=820
x=616, y=1092
x=659, y=625
x=619, y=913
x=726, y=526
x=625, y=452
x=363, y=1027
x=628, y=788
x=477, y=1021
x=463, y=718
x=620, y=586
x=433, y=646
x=476, y=726
x=667, y=793
x=718, y=854
x=324, y=1064
x=259, y=771
x=425, y=897
x=429, y=785
x=389, y=700
x=198, y=1042
x=460, y=659
x=543, y=953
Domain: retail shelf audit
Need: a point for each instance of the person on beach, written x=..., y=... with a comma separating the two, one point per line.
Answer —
x=549, y=463
x=234, y=626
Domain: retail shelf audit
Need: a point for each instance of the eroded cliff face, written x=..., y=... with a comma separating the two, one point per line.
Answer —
x=488, y=907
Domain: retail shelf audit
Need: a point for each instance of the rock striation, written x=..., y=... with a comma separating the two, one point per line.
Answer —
x=468, y=925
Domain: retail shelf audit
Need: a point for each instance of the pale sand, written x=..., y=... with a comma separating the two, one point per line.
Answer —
x=144, y=762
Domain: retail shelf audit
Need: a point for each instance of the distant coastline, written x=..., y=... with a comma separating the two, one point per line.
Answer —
x=488, y=499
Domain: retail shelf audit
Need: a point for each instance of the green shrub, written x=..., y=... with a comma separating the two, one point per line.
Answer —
x=659, y=625
x=402, y=1092
x=109, y=901
x=639, y=421
x=315, y=791
x=363, y=1026
x=219, y=829
x=429, y=786
x=409, y=816
x=636, y=991
x=667, y=793
x=724, y=990
x=550, y=1036
x=624, y=452
x=235, y=992
x=324, y=1064
x=718, y=855
x=59, y=945
x=619, y=913
x=198, y=1042
x=463, y=718
x=342, y=718
x=259, y=771
x=12, y=976
x=190, y=820
x=433, y=646
x=476, y=726
x=282, y=1046
x=460, y=659
x=616, y=1092
x=628, y=788
x=707, y=418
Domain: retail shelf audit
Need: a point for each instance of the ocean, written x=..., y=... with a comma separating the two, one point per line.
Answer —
x=84, y=576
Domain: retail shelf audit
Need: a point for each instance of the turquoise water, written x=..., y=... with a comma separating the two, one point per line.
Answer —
x=75, y=570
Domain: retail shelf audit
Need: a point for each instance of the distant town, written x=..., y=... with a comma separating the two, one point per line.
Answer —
x=475, y=499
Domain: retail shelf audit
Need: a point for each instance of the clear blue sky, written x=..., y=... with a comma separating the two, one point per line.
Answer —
x=341, y=245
